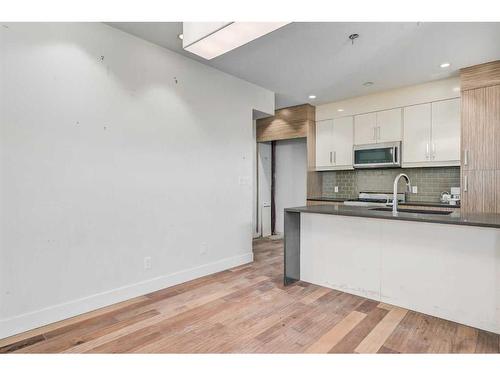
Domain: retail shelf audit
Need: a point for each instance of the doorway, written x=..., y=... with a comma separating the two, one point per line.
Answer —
x=282, y=182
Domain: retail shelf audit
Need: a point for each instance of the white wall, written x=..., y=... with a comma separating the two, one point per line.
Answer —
x=423, y=93
x=111, y=150
x=291, y=177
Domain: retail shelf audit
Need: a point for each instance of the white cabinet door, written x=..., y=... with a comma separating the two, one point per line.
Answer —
x=342, y=142
x=417, y=133
x=445, y=145
x=364, y=128
x=324, y=144
x=389, y=127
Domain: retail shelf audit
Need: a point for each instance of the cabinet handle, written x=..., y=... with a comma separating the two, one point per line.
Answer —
x=374, y=133
x=335, y=157
x=466, y=157
x=433, y=151
x=427, y=151
x=378, y=133
x=465, y=183
x=330, y=157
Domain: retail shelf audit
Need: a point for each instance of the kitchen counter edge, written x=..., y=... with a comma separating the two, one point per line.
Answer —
x=455, y=218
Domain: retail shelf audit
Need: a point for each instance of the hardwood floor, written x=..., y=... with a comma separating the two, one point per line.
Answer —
x=247, y=309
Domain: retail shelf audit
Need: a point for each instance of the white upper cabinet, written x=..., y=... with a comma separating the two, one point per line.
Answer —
x=334, y=140
x=432, y=134
x=389, y=125
x=342, y=142
x=324, y=144
x=365, y=129
x=417, y=134
x=378, y=127
x=445, y=145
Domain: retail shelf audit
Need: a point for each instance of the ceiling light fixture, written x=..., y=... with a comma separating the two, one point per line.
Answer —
x=180, y=36
x=312, y=96
x=352, y=37
x=340, y=110
x=369, y=83
x=445, y=65
x=212, y=39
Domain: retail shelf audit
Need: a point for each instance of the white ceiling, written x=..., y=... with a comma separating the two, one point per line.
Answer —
x=317, y=58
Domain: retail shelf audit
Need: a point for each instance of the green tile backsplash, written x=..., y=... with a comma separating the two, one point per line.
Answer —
x=430, y=182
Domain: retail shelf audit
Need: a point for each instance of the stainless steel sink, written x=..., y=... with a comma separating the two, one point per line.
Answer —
x=412, y=211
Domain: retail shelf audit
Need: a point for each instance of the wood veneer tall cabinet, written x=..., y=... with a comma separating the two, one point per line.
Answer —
x=480, y=118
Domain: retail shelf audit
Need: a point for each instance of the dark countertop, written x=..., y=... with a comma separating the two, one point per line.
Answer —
x=455, y=218
x=328, y=199
x=407, y=203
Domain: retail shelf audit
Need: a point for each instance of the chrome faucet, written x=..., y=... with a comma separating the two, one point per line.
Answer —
x=395, y=197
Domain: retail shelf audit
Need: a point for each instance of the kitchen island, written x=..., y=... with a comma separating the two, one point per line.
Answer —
x=445, y=265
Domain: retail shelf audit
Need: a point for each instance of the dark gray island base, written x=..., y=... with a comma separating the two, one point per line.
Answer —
x=292, y=226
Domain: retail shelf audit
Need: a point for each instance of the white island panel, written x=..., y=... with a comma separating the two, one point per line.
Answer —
x=351, y=264
x=448, y=271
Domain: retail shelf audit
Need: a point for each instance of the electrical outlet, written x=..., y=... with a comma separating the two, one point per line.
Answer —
x=203, y=248
x=336, y=189
x=147, y=263
x=414, y=189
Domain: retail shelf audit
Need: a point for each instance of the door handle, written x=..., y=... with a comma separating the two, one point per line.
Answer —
x=465, y=183
x=466, y=157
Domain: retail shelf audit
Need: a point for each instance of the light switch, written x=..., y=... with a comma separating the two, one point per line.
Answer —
x=244, y=180
x=414, y=189
x=336, y=189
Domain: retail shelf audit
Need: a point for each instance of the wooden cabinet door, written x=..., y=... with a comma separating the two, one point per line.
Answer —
x=480, y=129
x=364, y=129
x=416, y=134
x=324, y=144
x=389, y=125
x=479, y=191
x=445, y=139
x=342, y=142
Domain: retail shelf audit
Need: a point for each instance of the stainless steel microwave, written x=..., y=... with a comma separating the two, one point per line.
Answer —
x=378, y=155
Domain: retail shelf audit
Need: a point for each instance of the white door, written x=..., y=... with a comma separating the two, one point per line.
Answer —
x=389, y=125
x=324, y=144
x=264, y=188
x=364, y=128
x=445, y=145
x=290, y=177
x=342, y=142
x=417, y=133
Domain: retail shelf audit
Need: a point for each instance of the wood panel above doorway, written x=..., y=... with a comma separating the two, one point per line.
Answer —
x=287, y=123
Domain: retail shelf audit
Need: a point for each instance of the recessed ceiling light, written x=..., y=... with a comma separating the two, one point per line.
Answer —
x=456, y=89
x=369, y=83
x=445, y=65
x=180, y=36
x=340, y=110
x=312, y=96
